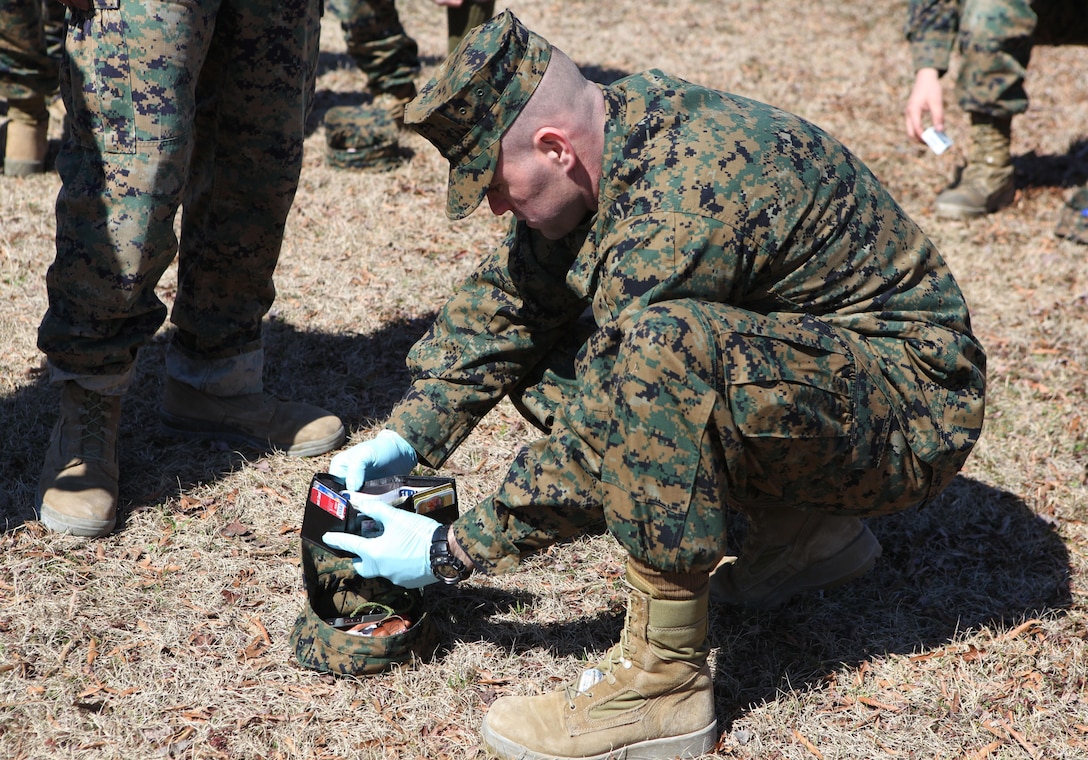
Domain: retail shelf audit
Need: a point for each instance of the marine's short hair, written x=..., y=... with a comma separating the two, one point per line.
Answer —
x=473, y=98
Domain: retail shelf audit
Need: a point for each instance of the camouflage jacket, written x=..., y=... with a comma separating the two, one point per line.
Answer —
x=931, y=30
x=709, y=196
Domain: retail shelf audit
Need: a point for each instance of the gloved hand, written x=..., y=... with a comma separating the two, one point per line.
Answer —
x=401, y=552
x=384, y=455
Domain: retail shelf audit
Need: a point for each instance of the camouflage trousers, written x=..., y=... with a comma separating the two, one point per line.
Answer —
x=199, y=105
x=377, y=42
x=996, y=39
x=714, y=408
x=31, y=41
x=460, y=20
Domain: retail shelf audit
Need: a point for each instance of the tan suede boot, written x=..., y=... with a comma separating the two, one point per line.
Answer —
x=27, y=141
x=1073, y=218
x=650, y=698
x=788, y=551
x=258, y=420
x=77, y=491
x=986, y=184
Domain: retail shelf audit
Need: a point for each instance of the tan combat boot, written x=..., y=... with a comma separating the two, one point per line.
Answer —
x=77, y=492
x=651, y=696
x=986, y=184
x=1073, y=218
x=258, y=420
x=27, y=140
x=788, y=551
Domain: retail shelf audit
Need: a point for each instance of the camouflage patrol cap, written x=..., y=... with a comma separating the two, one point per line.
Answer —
x=473, y=98
x=362, y=137
x=333, y=589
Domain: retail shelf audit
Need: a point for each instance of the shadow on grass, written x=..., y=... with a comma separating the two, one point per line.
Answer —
x=358, y=377
x=977, y=557
x=468, y=614
x=1066, y=170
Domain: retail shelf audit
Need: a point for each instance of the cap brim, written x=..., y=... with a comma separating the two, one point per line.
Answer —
x=469, y=181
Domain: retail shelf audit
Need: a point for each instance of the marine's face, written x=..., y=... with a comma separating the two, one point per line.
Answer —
x=538, y=191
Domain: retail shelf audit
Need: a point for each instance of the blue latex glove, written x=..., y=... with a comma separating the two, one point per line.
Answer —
x=383, y=456
x=401, y=552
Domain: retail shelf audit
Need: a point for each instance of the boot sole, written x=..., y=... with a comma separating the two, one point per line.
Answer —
x=853, y=561
x=76, y=526
x=684, y=747
x=14, y=167
x=199, y=430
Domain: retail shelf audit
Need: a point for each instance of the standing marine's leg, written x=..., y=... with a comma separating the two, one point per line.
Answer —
x=29, y=61
x=135, y=120
x=469, y=15
x=1073, y=218
x=996, y=38
x=365, y=136
x=253, y=97
x=1065, y=22
x=379, y=45
x=122, y=172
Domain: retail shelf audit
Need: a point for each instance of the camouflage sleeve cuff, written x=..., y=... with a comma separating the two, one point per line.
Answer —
x=930, y=54
x=931, y=30
x=490, y=551
x=434, y=430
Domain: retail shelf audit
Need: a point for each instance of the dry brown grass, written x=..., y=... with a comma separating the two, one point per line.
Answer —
x=169, y=638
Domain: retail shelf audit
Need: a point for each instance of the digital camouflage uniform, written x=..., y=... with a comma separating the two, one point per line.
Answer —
x=201, y=105
x=381, y=48
x=366, y=136
x=377, y=43
x=767, y=328
x=995, y=39
x=31, y=41
x=995, y=42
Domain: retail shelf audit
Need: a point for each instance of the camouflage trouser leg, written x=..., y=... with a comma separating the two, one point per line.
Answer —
x=29, y=47
x=202, y=104
x=713, y=407
x=996, y=39
x=466, y=17
x=716, y=406
x=377, y=42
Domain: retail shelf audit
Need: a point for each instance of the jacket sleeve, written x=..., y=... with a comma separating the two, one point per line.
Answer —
x=485, y=339
x=931, y=30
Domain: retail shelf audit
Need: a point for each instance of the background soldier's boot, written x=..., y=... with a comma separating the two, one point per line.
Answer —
x=259, y=420
x=788, y=551
x=28, y=136
x=652, y=694
x=986, y=184
x=1073, y=218
x=77, y=491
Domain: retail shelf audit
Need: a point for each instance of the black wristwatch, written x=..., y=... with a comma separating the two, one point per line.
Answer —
x=445, y=566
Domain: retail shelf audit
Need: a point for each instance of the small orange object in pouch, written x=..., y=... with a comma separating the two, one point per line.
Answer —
x=391, y=625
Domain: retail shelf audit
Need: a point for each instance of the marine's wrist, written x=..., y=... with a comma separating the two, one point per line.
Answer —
x=458, y=551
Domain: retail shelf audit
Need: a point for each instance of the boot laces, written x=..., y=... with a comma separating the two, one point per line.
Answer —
x=92, y=422
x=617, y=656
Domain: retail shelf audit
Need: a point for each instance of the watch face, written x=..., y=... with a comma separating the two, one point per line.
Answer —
x=446, y=571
